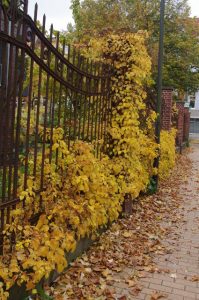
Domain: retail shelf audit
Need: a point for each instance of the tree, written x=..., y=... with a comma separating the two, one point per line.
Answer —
x=94, y=18
x=181, y=54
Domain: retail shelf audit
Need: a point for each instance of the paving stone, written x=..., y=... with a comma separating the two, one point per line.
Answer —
x=183, y=242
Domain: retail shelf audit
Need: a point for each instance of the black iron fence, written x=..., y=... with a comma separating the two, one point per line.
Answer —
x=44, y=84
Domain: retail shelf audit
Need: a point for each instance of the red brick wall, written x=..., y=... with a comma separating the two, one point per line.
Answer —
x=167, y=98
x=183, y=119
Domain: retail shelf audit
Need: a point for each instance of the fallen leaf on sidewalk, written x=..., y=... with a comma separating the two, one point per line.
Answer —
x=135, y=291
x=122, y=298
x=156, y=295
x=127, y=234
x=195, y=278
x=124, y=253
x=106, y=272
x=131, y=283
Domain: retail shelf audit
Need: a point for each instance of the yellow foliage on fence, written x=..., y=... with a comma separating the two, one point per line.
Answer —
x=81, y=192
x=80, y=195
x=167, y=152
x=133, y=146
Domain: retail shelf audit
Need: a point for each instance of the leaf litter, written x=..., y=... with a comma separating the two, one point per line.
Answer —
x=124, y=253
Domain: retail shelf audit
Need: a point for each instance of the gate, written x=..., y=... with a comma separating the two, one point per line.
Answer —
x=44, y=84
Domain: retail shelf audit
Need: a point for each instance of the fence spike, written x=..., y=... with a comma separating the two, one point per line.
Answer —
x=35, y=12
x=25, y=6
x=69, y=52
x=51, y=32
x=44, y=24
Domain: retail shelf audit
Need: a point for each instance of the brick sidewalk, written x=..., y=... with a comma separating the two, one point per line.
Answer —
x=180, y=278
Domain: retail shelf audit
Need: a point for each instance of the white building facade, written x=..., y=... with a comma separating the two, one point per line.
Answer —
x=193, y=103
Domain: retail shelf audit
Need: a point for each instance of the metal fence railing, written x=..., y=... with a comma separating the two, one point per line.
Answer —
x=44, y=84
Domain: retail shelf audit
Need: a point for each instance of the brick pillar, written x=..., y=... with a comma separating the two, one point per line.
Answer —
x=186, y=124
x=180, y=123
x=167, y=98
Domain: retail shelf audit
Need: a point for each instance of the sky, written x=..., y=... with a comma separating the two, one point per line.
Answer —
x=58, y=11
x=194, y=7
